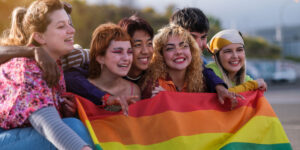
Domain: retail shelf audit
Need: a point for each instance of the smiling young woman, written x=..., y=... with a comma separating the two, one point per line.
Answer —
x=176, y=64
x=26, y=100
x=227, y=47
x=141, y=34
x=111, y=59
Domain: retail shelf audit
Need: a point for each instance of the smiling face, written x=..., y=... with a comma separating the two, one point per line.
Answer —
x=58, y=39
x=232, y=57
x=118, y=57
x=142, y=50
x=177, y=54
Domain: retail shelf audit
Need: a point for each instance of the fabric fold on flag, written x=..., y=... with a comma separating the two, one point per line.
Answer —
x=194, y=121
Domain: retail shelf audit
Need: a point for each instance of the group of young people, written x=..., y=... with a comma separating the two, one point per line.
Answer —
x=126, y=63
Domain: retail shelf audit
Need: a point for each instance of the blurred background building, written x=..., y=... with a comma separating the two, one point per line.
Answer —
x=290, y=38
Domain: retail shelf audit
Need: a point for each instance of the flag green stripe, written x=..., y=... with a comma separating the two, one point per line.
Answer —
x=251, y=146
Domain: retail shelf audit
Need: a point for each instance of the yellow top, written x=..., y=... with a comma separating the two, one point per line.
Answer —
x=246, y=86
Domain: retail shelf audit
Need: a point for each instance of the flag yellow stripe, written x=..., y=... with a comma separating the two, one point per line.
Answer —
x=83, y=116
x=172, y=124
x=259, y=130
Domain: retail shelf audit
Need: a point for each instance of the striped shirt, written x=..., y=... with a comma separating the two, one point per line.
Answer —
x=76, y=58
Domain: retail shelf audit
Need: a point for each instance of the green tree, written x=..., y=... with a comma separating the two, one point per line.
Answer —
x=257, y=47
x=87, y=17
x=214, y=26
x=169, y=11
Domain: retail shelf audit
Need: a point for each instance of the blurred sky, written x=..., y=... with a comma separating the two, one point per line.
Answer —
x=245, y=15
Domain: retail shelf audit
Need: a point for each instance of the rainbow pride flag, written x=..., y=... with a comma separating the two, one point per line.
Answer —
x=187, y=121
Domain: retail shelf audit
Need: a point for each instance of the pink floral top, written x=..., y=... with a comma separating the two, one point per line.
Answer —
x=23, y=91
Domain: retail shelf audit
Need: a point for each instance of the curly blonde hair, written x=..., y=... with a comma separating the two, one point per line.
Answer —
x=158, y=67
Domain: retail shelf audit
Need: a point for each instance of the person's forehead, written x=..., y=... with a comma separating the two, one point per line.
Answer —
x=119, y=43
x=233, y=46
x=198, y=33
x=175, y=39
x=141, y=34
x=58, y=16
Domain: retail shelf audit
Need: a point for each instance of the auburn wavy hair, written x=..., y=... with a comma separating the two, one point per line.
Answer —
x=101, y=39
x=158, y=67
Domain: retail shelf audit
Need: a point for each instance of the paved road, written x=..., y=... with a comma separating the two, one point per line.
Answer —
x=289, y=115
x=285, y=100
x=290, y=96
x=286, y=93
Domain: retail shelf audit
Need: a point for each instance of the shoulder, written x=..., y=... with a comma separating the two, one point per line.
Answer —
x=132, y=88
x=215, y=68
x=22, y=64
x=23, y=72
x=130, y=84
x=248, y=78
x=21, y=60
x=211, y=65
x=76, y=80
x=78, y=72
x=136, y=88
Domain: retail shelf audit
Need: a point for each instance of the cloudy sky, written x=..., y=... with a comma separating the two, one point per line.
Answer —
x=245, y=15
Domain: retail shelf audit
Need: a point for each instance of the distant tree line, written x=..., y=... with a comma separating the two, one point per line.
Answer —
x=87, y=17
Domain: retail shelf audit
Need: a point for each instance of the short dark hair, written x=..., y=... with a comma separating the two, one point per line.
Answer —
x=67, y=7
x=192, y=19
x=135, y=23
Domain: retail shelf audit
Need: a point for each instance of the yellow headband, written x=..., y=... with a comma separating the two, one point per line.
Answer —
x=224, y=38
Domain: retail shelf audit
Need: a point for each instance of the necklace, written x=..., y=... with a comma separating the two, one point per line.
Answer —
x=134, y=79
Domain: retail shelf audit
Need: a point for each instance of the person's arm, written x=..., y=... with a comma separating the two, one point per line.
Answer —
x=212, y=80
x=9, y=52
x=215, y=84
x=48, y=123
x=77, y=82
x=250, y=86
x=78, y=57
x=47, y=64
x=246, y=86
